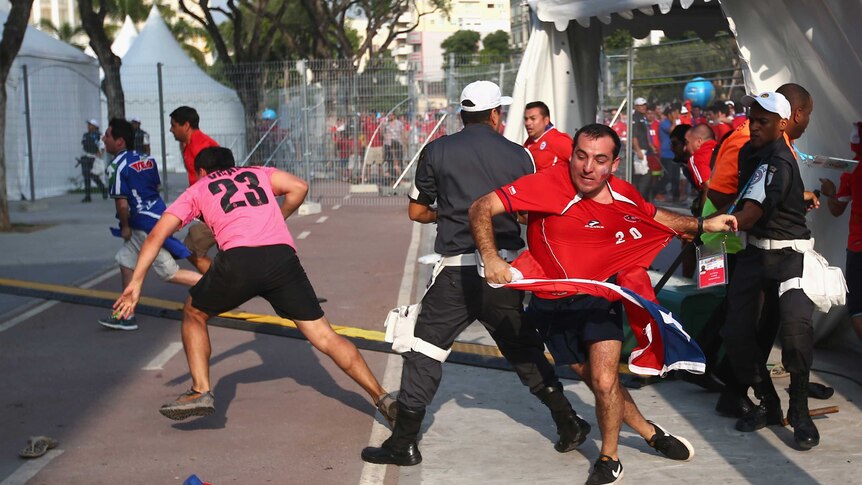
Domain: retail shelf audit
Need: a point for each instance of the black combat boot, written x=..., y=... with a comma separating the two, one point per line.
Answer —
x=401, y=448
x=768, y=412
x=571, y=429
x=804, y=432
x=733, y=402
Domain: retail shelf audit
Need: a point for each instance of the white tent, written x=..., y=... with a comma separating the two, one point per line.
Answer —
x=184, y=83
x=64, y=92
x=815, y=43
x=125, y=38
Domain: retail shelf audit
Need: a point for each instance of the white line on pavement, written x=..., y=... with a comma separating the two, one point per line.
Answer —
x=158, y=363
x=336, y=207
x=48, y=304
x=322, y=219
x=303, y=234
x=29, y=469
x=375, y=474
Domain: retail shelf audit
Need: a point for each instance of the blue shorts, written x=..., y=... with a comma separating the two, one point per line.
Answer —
x=569, y=325
x=853, y=275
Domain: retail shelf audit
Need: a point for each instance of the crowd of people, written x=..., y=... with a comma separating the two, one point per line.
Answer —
x=583, y=224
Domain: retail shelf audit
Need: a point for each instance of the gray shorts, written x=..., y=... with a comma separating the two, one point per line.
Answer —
x=165, y=266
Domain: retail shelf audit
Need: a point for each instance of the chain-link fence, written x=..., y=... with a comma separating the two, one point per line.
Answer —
x=665, y=75
x=350, y=130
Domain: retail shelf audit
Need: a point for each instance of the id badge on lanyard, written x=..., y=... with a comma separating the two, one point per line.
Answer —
x=711, y=264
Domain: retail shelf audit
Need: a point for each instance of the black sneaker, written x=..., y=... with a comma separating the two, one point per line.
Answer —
x=606, y=470
x=671, y=446
x=119, y=323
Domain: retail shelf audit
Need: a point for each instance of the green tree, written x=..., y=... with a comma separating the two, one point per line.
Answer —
x=464, y=44
x=495, y=48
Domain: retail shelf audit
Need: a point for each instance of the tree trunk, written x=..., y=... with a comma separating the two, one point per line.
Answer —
x=94, y=24
x=247, y=79
x=13, y=37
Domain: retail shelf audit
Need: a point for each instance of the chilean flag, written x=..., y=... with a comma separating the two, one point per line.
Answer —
x=662, y=343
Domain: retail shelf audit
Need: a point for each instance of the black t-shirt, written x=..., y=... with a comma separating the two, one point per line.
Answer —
x=775, y=184
x=457, y=169
x=640, y=130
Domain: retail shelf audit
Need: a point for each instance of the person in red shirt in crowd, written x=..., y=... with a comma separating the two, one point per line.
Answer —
x=581, y=218
x=547, y=145
x=737, y=119
x=697, y=116
x=685, y=114
x=848, y=193
x=718, y=115
x=185, y=123
x=621, y=128
x=700, y=143
x=373, y=146
x=656, y=170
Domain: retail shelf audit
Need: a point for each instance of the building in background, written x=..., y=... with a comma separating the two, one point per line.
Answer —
x=520, y=14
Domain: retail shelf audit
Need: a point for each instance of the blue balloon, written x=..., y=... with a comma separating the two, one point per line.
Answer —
x=269, y=114
x=699, y=91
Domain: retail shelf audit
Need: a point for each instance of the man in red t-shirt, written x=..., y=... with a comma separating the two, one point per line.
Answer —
x=585, y=223
x=850, y=193
x=185, y=123
x=700, y=142
x=546, y=144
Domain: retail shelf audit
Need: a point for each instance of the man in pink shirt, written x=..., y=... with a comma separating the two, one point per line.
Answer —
x=239, y=204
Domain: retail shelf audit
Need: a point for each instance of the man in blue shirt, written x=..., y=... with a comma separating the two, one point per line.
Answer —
x=671, y=169
x=135, y=190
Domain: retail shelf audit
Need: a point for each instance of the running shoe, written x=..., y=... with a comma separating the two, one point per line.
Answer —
x=119, y=323
x=387, y=405
x=671, y=446
x=606, y=470
x=188, y=404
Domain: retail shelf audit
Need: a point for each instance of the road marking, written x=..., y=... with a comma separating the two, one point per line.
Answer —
x=375, y=474
x=48, y=304
x=158, y=363
x=303, y=234
x=322, y=219
x=336, y=207
x=30, y=468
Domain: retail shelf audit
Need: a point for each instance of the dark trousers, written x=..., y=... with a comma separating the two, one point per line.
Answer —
x=760, y=272
x=457, y=298
x=671, y=175
x=87, y=173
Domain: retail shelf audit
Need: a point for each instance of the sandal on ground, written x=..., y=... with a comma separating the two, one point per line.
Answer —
x=37, y=446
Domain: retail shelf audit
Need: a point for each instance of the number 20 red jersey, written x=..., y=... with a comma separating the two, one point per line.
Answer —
x=573, y=237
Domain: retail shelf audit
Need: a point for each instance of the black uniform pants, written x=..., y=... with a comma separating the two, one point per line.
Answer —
x=457, y=298
x=87, y=173
x=759, y=272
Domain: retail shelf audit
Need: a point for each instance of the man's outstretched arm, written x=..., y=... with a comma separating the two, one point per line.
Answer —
x=481, y=224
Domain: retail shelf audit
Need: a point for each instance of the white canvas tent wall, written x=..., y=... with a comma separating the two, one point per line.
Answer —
x=184, y=83
x=815, y=43
x=64, y=91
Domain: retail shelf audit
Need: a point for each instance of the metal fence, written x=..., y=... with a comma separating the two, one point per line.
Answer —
x=659, y=73
x=350, y=130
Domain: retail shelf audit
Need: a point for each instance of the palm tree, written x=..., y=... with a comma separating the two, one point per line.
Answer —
x=73, y=36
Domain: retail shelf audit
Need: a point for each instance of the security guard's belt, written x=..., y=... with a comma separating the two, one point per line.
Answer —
x=798, y=245
x=470, y=259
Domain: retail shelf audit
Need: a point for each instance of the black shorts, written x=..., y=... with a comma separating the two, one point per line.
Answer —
x=853, y=275
x=569, y=325
x=272, y=272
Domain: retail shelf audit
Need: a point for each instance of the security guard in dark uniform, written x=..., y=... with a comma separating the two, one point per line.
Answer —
x=454, y=171
x=773, y=213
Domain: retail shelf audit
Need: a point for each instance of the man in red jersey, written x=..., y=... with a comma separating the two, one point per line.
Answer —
x=251, y=231
x=185, y=123
x=586, y=223
x=546, y=144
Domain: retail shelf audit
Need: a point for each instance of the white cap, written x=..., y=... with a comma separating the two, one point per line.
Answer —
x=640, y=101
x=483, y=95
x=770, y=101
x=683, y=110
x=730, y=103
x=135, y=119
x=93, y=122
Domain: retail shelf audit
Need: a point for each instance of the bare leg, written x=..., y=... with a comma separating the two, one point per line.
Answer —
x=196, y=342
x=604, y=359
x=631, y=414
x=186, y=277
x=202, y=263
x=342, y=352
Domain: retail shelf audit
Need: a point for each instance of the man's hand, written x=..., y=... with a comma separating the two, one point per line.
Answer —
x=720, y=223
x=125, y=304
x=126, y=232
x=811, y=201
x=827, y=188
x=497, y=270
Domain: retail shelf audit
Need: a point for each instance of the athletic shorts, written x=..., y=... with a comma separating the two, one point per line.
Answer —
x=199, y=239
x=272, y=272
x=164, y=265
x=853, y=275
x=569, y=325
